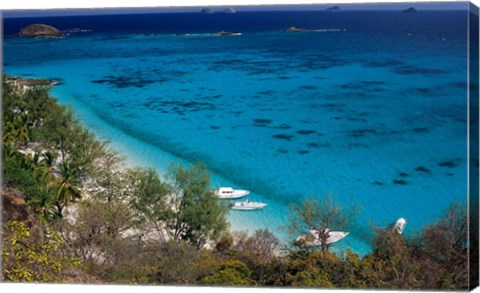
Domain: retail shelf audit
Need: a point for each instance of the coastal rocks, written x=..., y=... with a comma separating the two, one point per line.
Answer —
x=14, y=208
x=24, y=84
x=39, y=30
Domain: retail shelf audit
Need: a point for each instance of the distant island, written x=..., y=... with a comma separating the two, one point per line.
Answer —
x=39, y=30
x=295, y=29
x=207, y=11
x=300, y=30
x=229, y=10
x=410, y=10
x=333, y=8
x=45, y=31
x=224, y=33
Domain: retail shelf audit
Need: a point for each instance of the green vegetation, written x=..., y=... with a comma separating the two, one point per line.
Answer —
x=194, y=215
x=230, y=273
x=25, y=261
x=133, y=226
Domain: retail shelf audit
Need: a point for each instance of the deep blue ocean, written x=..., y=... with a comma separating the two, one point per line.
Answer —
x=374, y=114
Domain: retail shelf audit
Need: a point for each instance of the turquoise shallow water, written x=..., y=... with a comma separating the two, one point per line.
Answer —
x=375, y=115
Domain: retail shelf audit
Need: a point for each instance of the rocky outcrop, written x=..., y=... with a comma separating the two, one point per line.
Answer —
x=25, y=84
x=15, y=209
x=39, y=30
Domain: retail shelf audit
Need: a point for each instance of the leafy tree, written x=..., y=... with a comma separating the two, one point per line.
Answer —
x=230, y=273
x=109, y=182
x=322, y=216
x=224, y=244
x=83, y=149
x=194, y=215
x=445, y=242
x=150, y=199
x=24, y=260
x=177, y=263
x=310, y=270
x=97, y=234
x=399, y=267
x=16, y=175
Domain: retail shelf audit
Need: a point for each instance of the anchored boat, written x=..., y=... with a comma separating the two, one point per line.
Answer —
x=247, y=205
x=313, y=240
x=400, y=225
x=230, y=193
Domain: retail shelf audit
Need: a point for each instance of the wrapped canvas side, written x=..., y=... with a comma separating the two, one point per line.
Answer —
x=473, y=143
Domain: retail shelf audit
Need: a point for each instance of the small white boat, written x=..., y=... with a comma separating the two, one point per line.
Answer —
x=230, y=193
x=247, y=205
x=400, y=225
x=313, y=240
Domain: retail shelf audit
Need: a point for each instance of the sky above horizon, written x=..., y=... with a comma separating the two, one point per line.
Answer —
x=294, y=7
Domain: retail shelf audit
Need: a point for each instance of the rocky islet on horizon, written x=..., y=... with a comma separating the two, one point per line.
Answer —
x=410, y=10
x=45, y=31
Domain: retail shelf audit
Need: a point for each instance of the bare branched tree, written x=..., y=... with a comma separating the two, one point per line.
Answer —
x=321, y=216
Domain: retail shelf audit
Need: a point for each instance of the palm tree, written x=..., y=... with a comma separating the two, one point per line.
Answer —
x=9, y=127
x=67, y=187
x=10, y=150
x=43, y=205
x=27, y=162
x=45, y=168
x=22, y=131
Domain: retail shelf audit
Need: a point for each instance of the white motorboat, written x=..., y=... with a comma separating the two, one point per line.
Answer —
x=247, y=205
x=313, y=240
x=400, y=225
x=230, y=193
